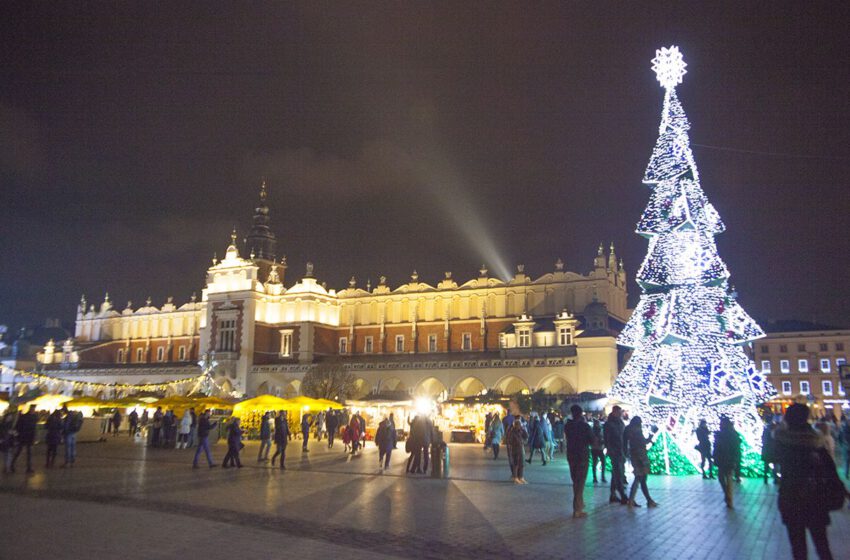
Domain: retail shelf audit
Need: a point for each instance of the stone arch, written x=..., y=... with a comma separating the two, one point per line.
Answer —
x=360, y=389
x=264, y=388
x=468, y=387
x=556, y=384
x=429, y=387
x=511, y=385
x=393, y=384
x=292, y=389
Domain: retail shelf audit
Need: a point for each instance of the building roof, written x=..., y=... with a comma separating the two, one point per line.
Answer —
x=795, y=325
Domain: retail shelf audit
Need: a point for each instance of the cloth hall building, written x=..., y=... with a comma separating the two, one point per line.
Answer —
x=258, y=334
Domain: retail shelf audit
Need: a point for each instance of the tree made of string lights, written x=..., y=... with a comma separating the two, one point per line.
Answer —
x=687, y=332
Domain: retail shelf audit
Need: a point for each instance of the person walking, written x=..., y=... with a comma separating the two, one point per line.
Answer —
x=265, y=438
x=805, y=466
x=133, y=419
x=234, y=445
x=116, y=423
x=727, y=455
x=204, y=428
x=413, y=445
x=597, y=451
x=183, y=430
x=768, y=451
x=7, y=437
x=497, y=433
x=193, y=427
x=385, y=440
x=844, y=440
x=548, y=438
x=71, y=424
x=156, y=437
x=354, y=434
x=281, y=438
x=535, y=439
x=25, y=427
x=332, y=424
x=704, y=448
x=53, y=437
x=612, y=433
x=168, y=429
x=634, y=446
x=306, y=421
x=579, y=436
x=515, y=437
x=558, y=433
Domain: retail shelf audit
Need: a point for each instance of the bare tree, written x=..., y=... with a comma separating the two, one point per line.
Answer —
x=328, y=380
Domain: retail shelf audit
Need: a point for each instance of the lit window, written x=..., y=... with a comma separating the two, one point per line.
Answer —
x=783, y=348
x=343, y=345
x=399, y=343
x=765, y=366
x=120, y=358
x=827, y=387
x=840, y=362
x=286, y=343
x=227, y=335
x=786, y=387
x=804, y=387
x=824, y=365
x=840, y=389
x=139, y=354
x=565, y=336
x=524, y=338
x=466, y=343
x=160, y=354
x=181, y=354
x=803, y=366
x=367, y=345
x=432, y=343
x=784, y=366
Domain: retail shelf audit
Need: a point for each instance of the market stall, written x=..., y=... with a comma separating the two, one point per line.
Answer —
x=373, y=411
x=464, y=419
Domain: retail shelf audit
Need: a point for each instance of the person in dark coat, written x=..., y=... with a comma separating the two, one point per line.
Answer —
x=612, y=432
x=265, y=438
x=116, y=423
x=156, y=436
x=579, y=436
x=281, y=438
x=133, y=418
x=597, y=451
x=634, y=446
x=204, y=428
x=306, y=422
x=414, y=444
x=72, y=423
x=535, y=439
x=234, y=445
x=768, y=452
x=727, y=456
x=385, y=439
x=801, y=453
x=53, y=437
x=25, y=427
x=704, y=448
x=169, y=428
x=332, y=424
x=515, y=437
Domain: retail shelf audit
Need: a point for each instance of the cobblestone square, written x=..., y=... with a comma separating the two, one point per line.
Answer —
x=123, y=500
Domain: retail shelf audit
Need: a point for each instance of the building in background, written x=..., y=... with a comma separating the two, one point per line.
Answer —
x=257, y=334
x=801, y=359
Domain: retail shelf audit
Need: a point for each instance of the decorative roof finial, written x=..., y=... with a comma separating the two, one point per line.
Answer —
x=600, y=250
x=415, y=276
x=148, y=302
x=559, y=264
x=215, y=259
x=309, y=270
x=263, y=192
x=352, y=282
x=483, y=271
x=233, y=236
x=194, y=297
x=520, y=269
x=368, y=284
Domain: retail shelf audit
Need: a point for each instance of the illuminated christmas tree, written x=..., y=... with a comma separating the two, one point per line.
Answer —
x=688, y=332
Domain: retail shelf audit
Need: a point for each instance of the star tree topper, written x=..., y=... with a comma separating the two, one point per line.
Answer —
x=669, y=66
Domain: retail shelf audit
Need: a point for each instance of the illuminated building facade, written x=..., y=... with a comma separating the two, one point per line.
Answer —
x=556, y=332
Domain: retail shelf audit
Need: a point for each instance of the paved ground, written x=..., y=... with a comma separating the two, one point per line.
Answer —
x=123, y=500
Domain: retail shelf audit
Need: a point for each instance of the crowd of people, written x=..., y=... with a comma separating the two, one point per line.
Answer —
x=799, y=456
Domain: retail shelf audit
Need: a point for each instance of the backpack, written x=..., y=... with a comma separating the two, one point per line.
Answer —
x=827, y=487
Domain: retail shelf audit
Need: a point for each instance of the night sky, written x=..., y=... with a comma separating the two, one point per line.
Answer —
x=400, y=136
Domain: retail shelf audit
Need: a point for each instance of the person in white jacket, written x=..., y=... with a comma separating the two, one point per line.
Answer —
x=184, y=430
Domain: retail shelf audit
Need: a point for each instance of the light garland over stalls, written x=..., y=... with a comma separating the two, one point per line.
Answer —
x=203, y=383
x=687, y=330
